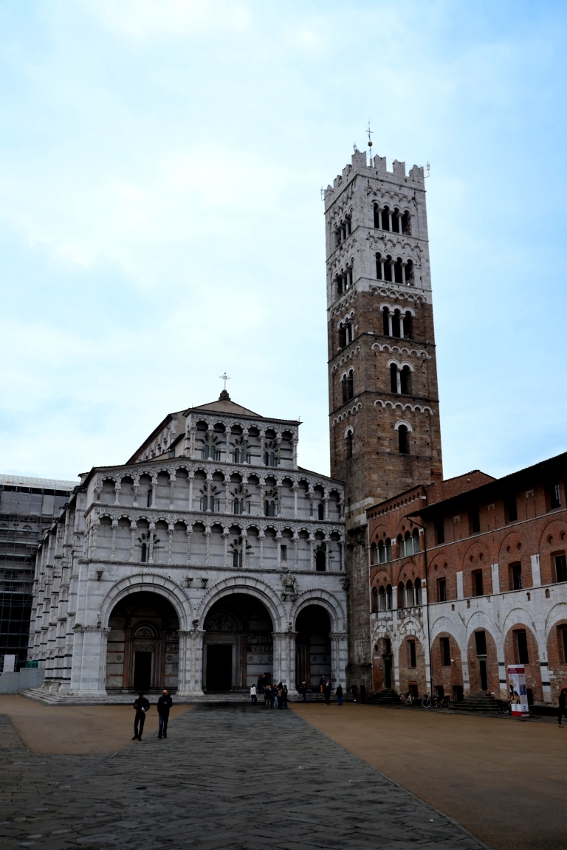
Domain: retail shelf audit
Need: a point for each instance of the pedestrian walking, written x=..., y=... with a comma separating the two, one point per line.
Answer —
x=253, y=697
x=274, y=697
x=339, y=693
x=304, y=691
x=284, y=696
x=363, y=692
x=267, y=696
x=562, y=704
x=327, y=691
x=164, y=703
x=141, y=705
x=354, y=691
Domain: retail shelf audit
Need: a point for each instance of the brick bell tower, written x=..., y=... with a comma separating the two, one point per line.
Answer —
x=383, y=395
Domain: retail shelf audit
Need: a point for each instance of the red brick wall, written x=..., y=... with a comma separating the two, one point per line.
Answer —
x=492, y=665
x=407, y=674
x=446, y=676
x=533, y=672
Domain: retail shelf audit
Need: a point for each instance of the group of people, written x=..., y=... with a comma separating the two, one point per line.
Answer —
x=142, y=706
x=275, y=696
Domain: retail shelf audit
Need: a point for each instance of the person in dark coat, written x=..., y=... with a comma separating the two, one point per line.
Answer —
x=164, y=704
x=363, y=692
x=339, y=693
x=284, y=696
x=141, y=705
x=354, y=691
x=327, y=691
x=562, y=705
x=267, y=696
x=304, y=691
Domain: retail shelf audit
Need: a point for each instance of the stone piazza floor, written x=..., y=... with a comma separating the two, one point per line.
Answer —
x=243, y=777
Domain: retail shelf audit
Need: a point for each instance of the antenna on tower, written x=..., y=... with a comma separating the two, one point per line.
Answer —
x=428, y=170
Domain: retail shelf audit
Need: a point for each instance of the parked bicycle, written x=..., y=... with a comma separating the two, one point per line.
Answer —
x=407, y=699
x=436, y=701
x=504, y=706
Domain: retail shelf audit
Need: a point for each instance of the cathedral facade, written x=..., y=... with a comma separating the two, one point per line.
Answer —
x=209, y=559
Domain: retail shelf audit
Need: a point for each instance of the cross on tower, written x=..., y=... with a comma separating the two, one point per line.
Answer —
x=224, y=378
x=370, y=133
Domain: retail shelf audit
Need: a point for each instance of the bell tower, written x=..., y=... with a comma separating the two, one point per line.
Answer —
x=383, y=396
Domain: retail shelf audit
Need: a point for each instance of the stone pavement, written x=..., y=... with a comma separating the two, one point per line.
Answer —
x=233, y=777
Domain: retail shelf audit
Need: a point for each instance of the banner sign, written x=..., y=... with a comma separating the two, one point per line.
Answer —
x=518, y=691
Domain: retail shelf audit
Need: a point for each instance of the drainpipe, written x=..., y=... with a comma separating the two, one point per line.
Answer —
x=426, y=562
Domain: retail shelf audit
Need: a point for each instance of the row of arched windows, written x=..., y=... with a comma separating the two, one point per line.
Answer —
x=400, y=379
x=403, y=445
x=347, y=384
x=343, y=281
x=393, y=220
x=409, y=595
x=343, y=230
x=345, y=334
x=397, y=324
x=394, y=270
x=407, y=545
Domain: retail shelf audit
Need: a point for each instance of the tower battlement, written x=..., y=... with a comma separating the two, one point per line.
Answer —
x=376, y=168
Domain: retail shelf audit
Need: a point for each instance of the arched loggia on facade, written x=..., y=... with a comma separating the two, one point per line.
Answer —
x=238, y=643
x=143, y=644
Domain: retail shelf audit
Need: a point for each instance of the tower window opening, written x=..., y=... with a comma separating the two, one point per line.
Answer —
x=408, y=325
x=269, y=507
x=393, y=378
x=401, y=595
x=379, y=262
x=386, y=321
x=373, y=553
x=283, y=552
x=374, y=600
x=396, y=323
x=389, y=597
x=409, y=273
x=388, y=263
x=381, y=553
x=320, y=511
x=405, y=380
x=406, y=223
x=398, y=273
x=144, y=553
x=149, y=498
x=396, y=222
x=376, y=215
x=385, y=216
x=348, y=444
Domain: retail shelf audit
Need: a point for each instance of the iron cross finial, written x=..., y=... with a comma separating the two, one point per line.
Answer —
x=224, y=378
x=370, y=133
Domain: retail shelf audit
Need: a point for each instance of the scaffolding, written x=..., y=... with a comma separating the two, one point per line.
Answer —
x=28, y=507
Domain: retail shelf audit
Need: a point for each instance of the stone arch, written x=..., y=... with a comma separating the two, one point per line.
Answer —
x=326, y=600
x=248, y=585
x=152, y=583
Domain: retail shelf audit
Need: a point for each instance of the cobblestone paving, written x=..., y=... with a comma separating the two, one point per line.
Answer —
x=233, y=777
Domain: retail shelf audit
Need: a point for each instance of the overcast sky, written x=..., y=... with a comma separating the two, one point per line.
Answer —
x=161, y=221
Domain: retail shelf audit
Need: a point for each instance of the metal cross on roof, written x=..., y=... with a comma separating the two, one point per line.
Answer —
x=224, y=378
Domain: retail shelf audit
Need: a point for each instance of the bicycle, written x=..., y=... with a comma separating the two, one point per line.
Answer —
x=504, y=706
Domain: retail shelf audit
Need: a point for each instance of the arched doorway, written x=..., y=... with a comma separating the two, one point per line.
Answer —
x=313, y=646
x=237, y=644
x=143, y=644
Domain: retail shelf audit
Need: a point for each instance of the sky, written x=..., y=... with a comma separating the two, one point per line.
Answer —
x=161, y=219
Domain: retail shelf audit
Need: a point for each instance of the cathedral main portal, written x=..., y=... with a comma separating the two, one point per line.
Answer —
x=238, y=644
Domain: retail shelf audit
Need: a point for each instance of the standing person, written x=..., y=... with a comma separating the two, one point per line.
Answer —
x=164, y=703
x=284, y=696
x=304, y=691
x=339, y=693
x=253, y=697
x=562, y=704
x=267, y=696
x=363, y=692
x=141, y=705
x=321, y=684
x=354, y=691
x=279, y=695
x=327, y=691
x=274, y=697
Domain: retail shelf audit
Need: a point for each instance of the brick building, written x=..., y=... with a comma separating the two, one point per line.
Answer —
x=468, y=576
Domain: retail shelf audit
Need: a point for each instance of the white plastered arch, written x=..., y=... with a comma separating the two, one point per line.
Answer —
x=403, y=422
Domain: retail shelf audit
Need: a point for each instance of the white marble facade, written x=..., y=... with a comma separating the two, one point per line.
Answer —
x=206, y=560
